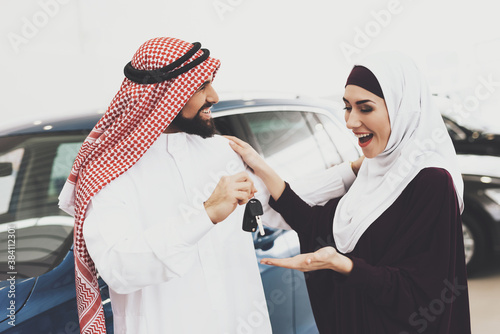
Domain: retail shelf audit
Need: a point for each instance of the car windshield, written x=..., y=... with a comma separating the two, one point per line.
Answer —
x=34, y=169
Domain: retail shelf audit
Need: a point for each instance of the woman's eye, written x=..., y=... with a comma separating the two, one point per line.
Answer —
x=346, y=108
x=366, y=109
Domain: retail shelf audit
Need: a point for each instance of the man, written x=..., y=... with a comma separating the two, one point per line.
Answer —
x=159, y=196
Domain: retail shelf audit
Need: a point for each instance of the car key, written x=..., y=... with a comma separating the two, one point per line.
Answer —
x=252, y=216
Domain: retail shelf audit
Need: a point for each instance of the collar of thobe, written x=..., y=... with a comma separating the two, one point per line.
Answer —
x=176, y=142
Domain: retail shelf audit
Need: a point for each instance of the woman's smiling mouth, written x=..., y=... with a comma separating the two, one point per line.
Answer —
x=364, y=138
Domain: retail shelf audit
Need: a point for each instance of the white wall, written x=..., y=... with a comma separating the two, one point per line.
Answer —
x=67, y=56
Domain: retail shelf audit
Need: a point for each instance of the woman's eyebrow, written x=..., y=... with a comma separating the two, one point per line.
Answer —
x=364, y=101
x=358, y=102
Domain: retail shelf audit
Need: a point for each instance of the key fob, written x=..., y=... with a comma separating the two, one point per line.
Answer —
x=253, y=209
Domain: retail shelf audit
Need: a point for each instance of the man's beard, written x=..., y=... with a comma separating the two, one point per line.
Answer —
x=196, y=126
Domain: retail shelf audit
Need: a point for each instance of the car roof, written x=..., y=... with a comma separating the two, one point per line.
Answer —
x=88, y=121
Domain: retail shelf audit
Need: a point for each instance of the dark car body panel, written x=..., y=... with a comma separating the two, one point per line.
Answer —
x=468, y=141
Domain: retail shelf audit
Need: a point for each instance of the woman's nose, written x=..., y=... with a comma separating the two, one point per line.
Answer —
x=352, y=120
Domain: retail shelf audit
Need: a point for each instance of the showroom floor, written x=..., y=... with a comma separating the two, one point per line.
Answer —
x=484, y=295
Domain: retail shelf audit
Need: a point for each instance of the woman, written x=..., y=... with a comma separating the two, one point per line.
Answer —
x=394, y=260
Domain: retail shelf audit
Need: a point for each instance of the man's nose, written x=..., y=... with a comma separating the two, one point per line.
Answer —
x=212, y=96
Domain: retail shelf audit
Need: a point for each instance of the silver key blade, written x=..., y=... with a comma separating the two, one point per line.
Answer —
x=261, y=227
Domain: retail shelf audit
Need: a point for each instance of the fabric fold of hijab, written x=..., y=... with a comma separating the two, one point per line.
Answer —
x=136, y=117
x=418, y=140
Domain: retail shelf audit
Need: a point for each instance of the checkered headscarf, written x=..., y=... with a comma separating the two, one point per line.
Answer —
x=137, y=116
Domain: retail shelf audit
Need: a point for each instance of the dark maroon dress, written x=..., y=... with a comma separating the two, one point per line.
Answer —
x=409, y=273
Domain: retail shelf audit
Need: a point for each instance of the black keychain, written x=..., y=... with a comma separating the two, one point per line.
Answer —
x=252, y=216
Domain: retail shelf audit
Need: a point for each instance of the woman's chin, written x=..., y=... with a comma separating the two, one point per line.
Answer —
x=369, y=153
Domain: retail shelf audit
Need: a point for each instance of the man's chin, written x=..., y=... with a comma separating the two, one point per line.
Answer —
x=196, y=126
x=203, y=134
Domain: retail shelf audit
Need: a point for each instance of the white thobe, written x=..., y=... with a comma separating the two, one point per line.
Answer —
x=169, y=269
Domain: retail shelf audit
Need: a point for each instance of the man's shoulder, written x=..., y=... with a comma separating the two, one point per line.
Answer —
x=216, y=143
x=215, y=140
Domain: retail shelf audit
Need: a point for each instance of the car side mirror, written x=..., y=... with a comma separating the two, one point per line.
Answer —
x=5, y=169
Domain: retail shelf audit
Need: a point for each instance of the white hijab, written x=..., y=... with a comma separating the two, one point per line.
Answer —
x=418, y=140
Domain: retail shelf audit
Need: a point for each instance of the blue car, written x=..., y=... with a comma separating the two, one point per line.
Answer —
x=37, y=289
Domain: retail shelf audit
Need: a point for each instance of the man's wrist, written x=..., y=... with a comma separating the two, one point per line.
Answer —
x=210, y=213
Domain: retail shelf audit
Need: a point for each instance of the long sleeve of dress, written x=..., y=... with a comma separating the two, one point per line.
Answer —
x=316, y=189
x=319, y=188
x=409, y=268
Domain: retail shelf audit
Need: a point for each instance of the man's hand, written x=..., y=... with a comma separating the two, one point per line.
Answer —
x=324, y=258
x=229, y=192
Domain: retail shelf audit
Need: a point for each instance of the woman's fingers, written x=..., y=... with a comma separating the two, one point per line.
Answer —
x=247, y=153
x=241, y=147
x=298, y=262
x=321, y=259
x=285, y=263
x=237, y=140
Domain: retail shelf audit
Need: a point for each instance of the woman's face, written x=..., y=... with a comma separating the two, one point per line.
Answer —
x=366, y=115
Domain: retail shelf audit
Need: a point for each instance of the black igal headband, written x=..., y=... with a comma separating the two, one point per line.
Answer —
x=168, y=72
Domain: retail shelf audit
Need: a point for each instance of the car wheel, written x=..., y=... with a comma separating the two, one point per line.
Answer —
x=474, y=243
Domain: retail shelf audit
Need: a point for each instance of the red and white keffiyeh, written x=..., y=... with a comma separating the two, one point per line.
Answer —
x=137, y=116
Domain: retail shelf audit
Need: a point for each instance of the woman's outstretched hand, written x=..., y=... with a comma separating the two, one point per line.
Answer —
x=323, y=258
x=274, y=183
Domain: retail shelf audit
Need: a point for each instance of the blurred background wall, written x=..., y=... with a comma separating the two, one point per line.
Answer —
x=67, y=56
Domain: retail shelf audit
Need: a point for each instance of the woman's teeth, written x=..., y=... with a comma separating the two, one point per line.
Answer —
x=364, y=137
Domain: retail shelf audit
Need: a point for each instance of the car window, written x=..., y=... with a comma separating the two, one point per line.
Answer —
x=42, y=233
x=7, y=182
x=324, y=142
x=61, y=167
x=345, y=147
x=295, y=143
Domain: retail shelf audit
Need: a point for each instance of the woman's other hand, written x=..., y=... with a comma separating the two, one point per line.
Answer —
x=323, y=258
x=356, y=165
x=247, y=153
x=274, y=183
